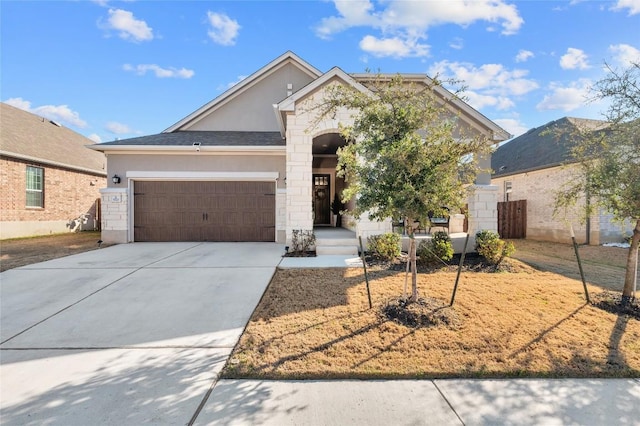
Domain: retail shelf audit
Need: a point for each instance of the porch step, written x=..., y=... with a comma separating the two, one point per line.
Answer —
x=328, y=241
x=332, y=246
x=333, y=250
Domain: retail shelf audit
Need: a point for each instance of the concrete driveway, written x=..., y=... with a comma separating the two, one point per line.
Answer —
x=128, y=334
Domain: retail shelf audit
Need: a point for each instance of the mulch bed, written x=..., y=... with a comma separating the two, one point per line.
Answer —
x=425, y=312
x=473, y=262
x=611, y=302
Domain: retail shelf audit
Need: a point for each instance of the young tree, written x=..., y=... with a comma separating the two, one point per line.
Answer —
x=407, y=154
x=609, y=161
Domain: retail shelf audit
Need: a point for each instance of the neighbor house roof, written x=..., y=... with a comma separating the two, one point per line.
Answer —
x=542, y=147
x=29, y=137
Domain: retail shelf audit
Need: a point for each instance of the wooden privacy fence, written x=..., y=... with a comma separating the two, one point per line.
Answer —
x=512, y=219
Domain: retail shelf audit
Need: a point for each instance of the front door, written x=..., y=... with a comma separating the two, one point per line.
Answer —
x=321, y=200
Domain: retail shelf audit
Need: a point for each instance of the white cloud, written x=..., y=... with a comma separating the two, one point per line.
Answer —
x=128, y=27
x=487, y=85
x=118, y=128
x=574, y=59
x=19, y=103
x=59, y=113
x=566, y=98
x=625, y=54
x=457, y=43
x=352, y=14
x=404, y=23
x=160, y=72
x=224, y=30
x=512, y=125
x=94, y=137
x=419, y=16
x=479, y=101
x=632, y=5
x=393, y=47
x=524, y=55
x=233, y=83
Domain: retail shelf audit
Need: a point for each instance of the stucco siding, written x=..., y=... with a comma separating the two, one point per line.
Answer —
x=252, y=110
x=199, y=162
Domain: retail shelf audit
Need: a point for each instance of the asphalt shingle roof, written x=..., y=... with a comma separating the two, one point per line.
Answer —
x=539, y=148
x=205, y=138
x=31, y=137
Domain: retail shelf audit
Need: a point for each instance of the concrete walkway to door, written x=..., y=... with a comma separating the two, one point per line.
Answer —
x=129, y=334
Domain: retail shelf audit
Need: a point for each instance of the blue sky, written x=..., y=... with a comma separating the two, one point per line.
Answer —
x=110, y=69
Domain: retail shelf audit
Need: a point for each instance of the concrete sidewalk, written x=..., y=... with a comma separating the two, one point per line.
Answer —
x=424, y=402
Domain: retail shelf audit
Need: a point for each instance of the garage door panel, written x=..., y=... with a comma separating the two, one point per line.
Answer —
x=204, y=211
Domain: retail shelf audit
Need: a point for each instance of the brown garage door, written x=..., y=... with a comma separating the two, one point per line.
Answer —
x=204, y=211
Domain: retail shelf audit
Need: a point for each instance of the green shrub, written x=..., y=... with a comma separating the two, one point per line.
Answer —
x=492, y=248
x=385, y=246
x=438, y=247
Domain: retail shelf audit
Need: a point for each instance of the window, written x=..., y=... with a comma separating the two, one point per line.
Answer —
x=508, y=188
x=35, y=186
x=321, y=180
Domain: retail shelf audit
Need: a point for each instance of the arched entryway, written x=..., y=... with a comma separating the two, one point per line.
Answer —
x=326, y=184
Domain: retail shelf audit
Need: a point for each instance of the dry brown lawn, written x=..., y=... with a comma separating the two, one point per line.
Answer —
x=316, y=323
x=26, y=251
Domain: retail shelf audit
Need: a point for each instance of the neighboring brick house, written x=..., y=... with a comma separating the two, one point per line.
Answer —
x=254, y=164
x=533, y=167
x=50, y=180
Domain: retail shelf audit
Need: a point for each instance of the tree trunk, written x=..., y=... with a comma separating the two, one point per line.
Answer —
x=414, y=271
x=412, y=261
x=628, y=292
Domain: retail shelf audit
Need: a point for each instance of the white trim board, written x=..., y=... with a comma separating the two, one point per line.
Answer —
x=221, y=176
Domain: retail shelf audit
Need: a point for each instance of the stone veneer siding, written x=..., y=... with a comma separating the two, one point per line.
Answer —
x=115, y=219
x=299, y=169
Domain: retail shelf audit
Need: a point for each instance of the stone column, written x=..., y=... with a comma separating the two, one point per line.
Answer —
x=299, y=177
x=115, y=219
x=483, y=209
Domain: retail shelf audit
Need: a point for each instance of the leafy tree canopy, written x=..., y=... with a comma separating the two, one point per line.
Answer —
x=609, y=161
x=407, y=153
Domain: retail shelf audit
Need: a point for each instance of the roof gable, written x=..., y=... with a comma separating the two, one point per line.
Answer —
x=288, y=104
x=256, y=95
x=33, y=138
x=471, y=116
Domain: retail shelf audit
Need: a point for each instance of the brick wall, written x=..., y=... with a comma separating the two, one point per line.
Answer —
x=539, y=188
x=67, y=193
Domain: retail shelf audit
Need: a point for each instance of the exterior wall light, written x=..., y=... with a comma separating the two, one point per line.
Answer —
x=115, y=179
